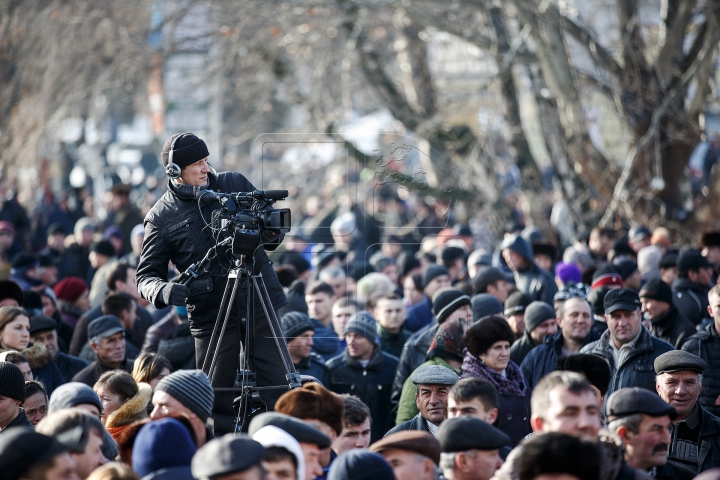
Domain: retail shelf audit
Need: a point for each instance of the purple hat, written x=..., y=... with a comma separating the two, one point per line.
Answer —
x=568, y=272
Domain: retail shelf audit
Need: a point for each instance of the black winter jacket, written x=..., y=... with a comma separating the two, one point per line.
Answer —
x=537, y=283
x=708, y=451
x=372, y=384
x=541, y=359
x=413, y=355
x=315, y=367
x=68, y=365
x=418, y=422
x=521, y=348
x=706, y=345
x=690, y=299
x=177, y=230
x=672, y=327
x=638, y=368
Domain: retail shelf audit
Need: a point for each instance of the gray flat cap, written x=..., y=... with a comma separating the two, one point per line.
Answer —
x=226, y=455
x=677, y=360
x=433, y=375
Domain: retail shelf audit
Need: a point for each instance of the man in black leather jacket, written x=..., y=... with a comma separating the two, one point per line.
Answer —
x=177, y=229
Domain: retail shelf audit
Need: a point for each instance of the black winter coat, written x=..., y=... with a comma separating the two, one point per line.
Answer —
x=521, y=348
x=418, y=422
x=706, y=345
x=413, y=355
x=709, y=442
x=690, y=299
x=372, y=384
x=637, y=370
x=672, y=327
x=315, y=367
x=541, y=359
x=537, y=283
x=176, y=230
x=68, y=365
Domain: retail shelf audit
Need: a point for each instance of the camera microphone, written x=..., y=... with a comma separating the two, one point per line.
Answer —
x=208, y=197
x=276, y=194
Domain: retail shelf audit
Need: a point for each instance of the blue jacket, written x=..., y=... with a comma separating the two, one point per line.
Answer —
x=419, y=315
x=541, y=360
x=637, y=370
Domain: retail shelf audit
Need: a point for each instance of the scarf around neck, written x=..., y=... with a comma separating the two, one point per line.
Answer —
x=513, y=385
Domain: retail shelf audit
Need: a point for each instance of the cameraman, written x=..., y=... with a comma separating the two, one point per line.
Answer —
x=177, y=230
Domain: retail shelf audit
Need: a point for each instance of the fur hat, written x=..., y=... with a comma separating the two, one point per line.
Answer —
x=313, y=400
x=483, y=334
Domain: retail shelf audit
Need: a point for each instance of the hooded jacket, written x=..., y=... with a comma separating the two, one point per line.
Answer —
x=371, y=383
x=706, y=345
x=541, y=360
x=690, y=299
x=637, y=369
x=531, y=280
x=177, y=230
x=131, y=411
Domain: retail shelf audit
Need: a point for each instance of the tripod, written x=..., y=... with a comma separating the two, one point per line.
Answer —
x=242, y=274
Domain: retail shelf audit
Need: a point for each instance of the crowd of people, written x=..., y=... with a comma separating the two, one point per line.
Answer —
x=437, y=358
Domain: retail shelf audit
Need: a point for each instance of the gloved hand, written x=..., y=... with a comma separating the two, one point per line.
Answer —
x=175, y=294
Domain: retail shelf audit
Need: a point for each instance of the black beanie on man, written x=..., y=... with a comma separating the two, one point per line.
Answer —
x=188, y=149
x=536, y=313
x=12, y=382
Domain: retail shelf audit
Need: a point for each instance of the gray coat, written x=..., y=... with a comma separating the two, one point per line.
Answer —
x=637, y=370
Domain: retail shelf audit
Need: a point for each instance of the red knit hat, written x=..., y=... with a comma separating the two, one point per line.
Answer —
x=70, y=288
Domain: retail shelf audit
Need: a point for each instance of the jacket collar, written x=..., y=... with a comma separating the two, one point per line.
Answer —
x=189, y=192
x=684, y=283
x=643, y=344
x=374, y=363
x=664, y=323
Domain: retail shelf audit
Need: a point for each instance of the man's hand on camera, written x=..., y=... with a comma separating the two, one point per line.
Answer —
x=175, y=294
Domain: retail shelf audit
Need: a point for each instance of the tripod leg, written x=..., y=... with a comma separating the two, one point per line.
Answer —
x=226, y=303
x=276, y=330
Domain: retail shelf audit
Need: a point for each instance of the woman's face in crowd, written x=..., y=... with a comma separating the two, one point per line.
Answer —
x=497, y=356
x=83, y=302
x=16, y=334
x=110, y=401
x=411, y=294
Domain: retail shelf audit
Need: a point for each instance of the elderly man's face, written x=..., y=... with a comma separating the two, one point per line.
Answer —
x=679, y=389
x=432, y=401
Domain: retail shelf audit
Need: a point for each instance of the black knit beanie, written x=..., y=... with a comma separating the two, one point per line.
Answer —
x=12, y=382
x=188, y=150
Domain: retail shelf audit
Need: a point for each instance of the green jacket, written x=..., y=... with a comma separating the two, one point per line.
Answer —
x=407, y=408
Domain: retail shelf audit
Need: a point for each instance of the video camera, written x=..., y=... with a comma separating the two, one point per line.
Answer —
x=246, y=215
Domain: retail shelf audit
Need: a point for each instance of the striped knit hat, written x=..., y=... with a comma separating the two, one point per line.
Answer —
x=295, y=323
x=191, y=388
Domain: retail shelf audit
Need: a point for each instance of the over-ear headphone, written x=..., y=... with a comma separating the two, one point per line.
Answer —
x=173, y=170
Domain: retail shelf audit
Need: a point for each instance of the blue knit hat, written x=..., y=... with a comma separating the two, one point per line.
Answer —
x=192, y=388
x=163, y=443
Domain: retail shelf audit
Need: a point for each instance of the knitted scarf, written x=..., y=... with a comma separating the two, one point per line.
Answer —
x=513, y=385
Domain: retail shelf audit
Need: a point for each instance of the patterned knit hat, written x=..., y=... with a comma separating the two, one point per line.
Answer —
x=363, y=324
x=449, y=341
x=191, y=388
x=295, y=323
x=12, y=382
x=70, y=288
